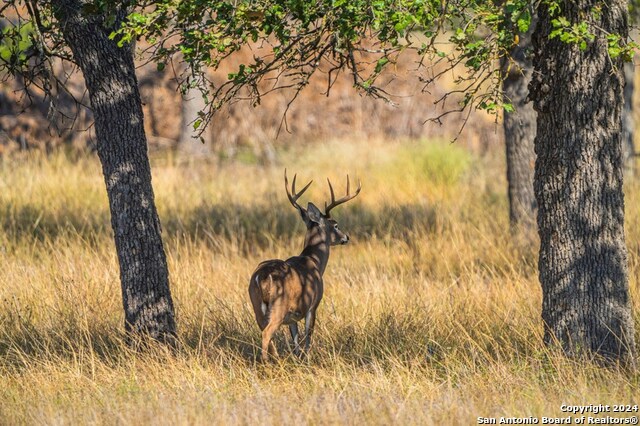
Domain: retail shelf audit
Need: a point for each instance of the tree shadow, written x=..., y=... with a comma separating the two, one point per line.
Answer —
x=249, y=225
x=263, y=223
x=33, y=222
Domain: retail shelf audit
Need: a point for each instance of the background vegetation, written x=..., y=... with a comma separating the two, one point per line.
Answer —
x=240, y=127
x=431, y=313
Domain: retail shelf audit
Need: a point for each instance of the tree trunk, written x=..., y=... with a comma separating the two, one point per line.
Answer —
x=519, y=133
x=578, y=186
x=110, y=77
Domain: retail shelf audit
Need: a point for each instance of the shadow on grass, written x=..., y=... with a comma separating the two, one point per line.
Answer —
x=245, y=224
x=26, y=343
x=32, y=222
x=225, y=335
x=410, y=338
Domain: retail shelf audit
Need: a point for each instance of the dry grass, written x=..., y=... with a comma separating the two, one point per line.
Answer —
x=430, y=316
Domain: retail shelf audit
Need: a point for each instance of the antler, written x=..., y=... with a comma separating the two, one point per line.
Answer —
x=293, y=198
x=344, y=199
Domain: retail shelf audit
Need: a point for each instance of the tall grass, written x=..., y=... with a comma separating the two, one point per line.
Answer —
x=430, y=316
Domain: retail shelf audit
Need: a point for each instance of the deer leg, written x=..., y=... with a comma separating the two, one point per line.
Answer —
x=309, y=323
x=276, y=317
x=267, y=345
x=293, y=329
x=262, y=318
x=272, y=349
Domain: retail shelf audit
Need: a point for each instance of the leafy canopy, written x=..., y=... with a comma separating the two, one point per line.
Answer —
x=290, y=40
x=293, y=39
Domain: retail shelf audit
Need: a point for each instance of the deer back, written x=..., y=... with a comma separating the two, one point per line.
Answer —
x=294, y=285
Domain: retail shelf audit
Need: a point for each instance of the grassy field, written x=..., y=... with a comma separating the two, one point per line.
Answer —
x=430, y=315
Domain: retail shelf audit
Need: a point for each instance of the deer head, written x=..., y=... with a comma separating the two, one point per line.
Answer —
x=313, y=217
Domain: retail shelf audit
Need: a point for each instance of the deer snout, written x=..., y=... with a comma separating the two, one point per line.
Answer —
x=344, y=239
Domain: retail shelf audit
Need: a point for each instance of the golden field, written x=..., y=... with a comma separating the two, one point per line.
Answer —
x=431, y=314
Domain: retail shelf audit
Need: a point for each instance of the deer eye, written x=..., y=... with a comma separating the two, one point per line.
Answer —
x=335, y=226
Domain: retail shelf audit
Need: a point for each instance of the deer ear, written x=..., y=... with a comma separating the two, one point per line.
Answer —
x=313, y=213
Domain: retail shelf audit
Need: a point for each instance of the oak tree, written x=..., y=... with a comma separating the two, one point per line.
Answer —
x=80, y=32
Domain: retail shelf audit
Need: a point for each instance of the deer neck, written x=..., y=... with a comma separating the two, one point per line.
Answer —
x=316, y=247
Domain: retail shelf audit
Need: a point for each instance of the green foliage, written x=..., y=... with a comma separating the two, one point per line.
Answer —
x=293, y=39
x=572, y=33
x=618, y=47
x=586, y=29
x=361, y=37
x=336, y=35
x=14, y=45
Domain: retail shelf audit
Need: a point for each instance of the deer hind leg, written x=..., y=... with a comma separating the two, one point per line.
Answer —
x=276, y=318
x=293, y=329
x=268, y=347
x=309, y=323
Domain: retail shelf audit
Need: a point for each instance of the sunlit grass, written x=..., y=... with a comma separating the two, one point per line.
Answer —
x=430, y=315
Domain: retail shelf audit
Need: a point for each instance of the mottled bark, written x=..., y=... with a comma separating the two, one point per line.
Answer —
x=110, y=77
x=578, y=185
x=519, y=133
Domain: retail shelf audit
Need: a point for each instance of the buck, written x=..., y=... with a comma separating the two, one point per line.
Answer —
x=285, y=291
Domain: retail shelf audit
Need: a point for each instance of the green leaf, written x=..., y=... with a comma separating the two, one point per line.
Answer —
x=380, y=64
x=137, y=18
x=524, y=22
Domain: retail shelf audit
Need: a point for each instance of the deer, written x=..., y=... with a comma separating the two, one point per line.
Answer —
x=282, y=292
